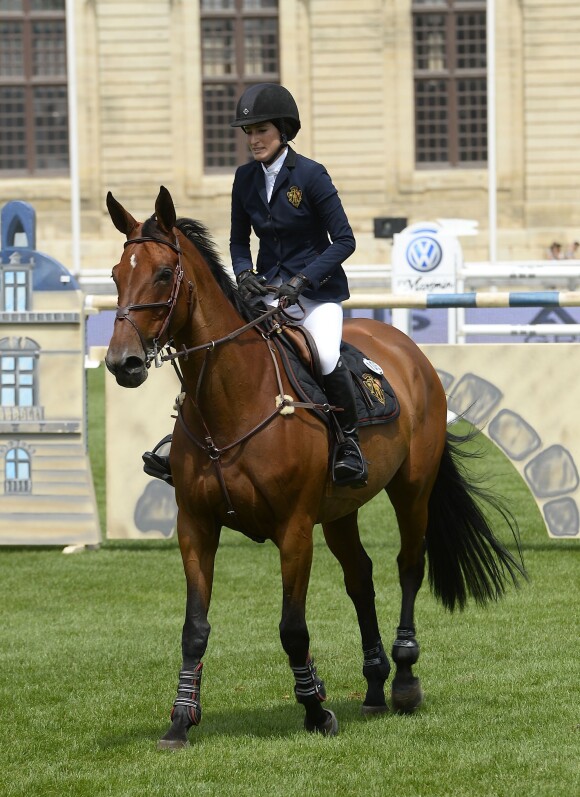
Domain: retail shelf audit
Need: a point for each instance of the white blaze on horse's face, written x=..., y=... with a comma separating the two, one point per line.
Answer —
x=133, y=261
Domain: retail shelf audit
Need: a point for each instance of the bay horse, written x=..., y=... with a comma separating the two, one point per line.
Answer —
x=239, y=461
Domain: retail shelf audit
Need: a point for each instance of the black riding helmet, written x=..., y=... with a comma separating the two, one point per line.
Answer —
x=268, y=102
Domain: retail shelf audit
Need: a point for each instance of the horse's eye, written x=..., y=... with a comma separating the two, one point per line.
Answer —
x=165, y=275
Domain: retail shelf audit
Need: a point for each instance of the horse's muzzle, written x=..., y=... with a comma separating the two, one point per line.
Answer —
x=129, y=371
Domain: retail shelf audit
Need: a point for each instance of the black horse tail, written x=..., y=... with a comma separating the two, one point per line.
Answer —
x=465, y=557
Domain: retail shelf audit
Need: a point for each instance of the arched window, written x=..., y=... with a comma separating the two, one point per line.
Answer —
x=17, y=478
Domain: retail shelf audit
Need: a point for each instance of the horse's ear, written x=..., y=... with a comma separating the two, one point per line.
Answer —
x=165, y=211
x=121, y=218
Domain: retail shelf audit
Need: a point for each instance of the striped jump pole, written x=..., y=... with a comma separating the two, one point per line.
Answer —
x=423, y=300
x=426, y=300
x=457, y=329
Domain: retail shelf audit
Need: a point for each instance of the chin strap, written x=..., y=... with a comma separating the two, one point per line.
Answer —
x=276, y=155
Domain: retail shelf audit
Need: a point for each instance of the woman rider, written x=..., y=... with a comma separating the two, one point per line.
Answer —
x=292, y=206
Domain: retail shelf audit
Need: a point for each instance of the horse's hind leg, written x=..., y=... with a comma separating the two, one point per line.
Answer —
x=411, y=509
x=342, y=537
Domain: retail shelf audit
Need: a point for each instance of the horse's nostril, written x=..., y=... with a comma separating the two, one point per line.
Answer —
x=128, y=371
x=133, y=363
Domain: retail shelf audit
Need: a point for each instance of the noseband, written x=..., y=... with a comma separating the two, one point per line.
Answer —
x=122, y=313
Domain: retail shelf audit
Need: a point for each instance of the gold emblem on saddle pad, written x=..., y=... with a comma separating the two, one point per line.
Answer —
x=294, y=196
x=373, y=385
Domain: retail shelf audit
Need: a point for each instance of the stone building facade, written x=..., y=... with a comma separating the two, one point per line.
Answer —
x=350, y=67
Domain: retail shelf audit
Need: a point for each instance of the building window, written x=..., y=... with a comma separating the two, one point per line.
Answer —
x=450, y=73
x=15, y=291
x=18, y=372
x=33, y=87
x=239, y=47
x=17, y=474
x=15, y=286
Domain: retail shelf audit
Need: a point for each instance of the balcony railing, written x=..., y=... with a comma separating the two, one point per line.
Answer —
x=17, y=486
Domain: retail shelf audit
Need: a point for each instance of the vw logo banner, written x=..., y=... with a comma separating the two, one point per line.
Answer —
x=426, y=257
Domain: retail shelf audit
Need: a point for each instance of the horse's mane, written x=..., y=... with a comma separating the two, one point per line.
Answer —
x=201, y=238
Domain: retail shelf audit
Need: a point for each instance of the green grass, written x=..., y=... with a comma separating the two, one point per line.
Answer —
x=90, y=655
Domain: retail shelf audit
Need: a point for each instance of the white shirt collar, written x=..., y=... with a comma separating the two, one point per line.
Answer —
x=275, y=167
x=272, y=171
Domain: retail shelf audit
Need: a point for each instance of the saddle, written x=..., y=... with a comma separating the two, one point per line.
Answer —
x=376, y=401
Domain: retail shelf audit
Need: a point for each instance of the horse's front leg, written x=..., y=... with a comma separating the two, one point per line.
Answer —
x=296, y=561
x=198, y=546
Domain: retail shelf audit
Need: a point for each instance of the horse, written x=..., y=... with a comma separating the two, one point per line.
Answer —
x=246, y=456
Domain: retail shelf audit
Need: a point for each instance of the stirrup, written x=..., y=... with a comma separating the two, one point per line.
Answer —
x=157, y=465
x=349, y=467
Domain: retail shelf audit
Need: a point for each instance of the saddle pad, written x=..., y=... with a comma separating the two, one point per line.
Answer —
x=375, y=398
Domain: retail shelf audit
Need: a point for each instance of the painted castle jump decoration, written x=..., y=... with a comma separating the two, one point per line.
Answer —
x=46, y=490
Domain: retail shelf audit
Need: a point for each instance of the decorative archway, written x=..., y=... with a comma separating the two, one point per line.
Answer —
x=522, y=398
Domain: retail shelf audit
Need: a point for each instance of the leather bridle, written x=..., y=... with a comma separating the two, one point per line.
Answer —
x=122, y=313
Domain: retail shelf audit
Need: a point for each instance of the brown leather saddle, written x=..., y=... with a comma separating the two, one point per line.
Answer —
x=375, y=398
x=304, y=346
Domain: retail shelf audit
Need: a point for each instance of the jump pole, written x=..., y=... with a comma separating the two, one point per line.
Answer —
x=425, y=300
x=422, y=300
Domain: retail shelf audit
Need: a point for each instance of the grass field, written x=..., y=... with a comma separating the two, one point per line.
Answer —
x=91, y=650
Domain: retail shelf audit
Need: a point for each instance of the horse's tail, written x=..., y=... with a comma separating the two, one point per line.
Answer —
x=465, y=557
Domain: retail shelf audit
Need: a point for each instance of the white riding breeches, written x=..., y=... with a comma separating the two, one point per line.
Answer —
x=324, y=322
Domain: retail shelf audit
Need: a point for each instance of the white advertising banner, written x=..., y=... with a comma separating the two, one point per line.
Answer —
x=426, y=257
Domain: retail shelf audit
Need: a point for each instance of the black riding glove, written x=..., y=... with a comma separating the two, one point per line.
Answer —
x=251, y=285
x=289, y=292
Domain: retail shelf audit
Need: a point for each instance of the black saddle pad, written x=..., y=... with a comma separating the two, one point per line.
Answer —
x=375, y=398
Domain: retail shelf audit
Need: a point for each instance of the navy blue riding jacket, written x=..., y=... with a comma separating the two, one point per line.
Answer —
x=302, y=230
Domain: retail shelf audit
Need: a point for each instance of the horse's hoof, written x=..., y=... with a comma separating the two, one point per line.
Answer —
x=407, y=700
x=373, y=711
x=172, y=744
x=327, y=728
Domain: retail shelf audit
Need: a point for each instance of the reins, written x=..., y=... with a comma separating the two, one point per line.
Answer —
x=185, y=352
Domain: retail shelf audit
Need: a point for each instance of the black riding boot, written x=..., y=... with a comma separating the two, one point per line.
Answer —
x=157, y=464
x=348, y=464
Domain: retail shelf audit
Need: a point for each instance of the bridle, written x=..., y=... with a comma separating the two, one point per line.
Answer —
x=122, y=313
